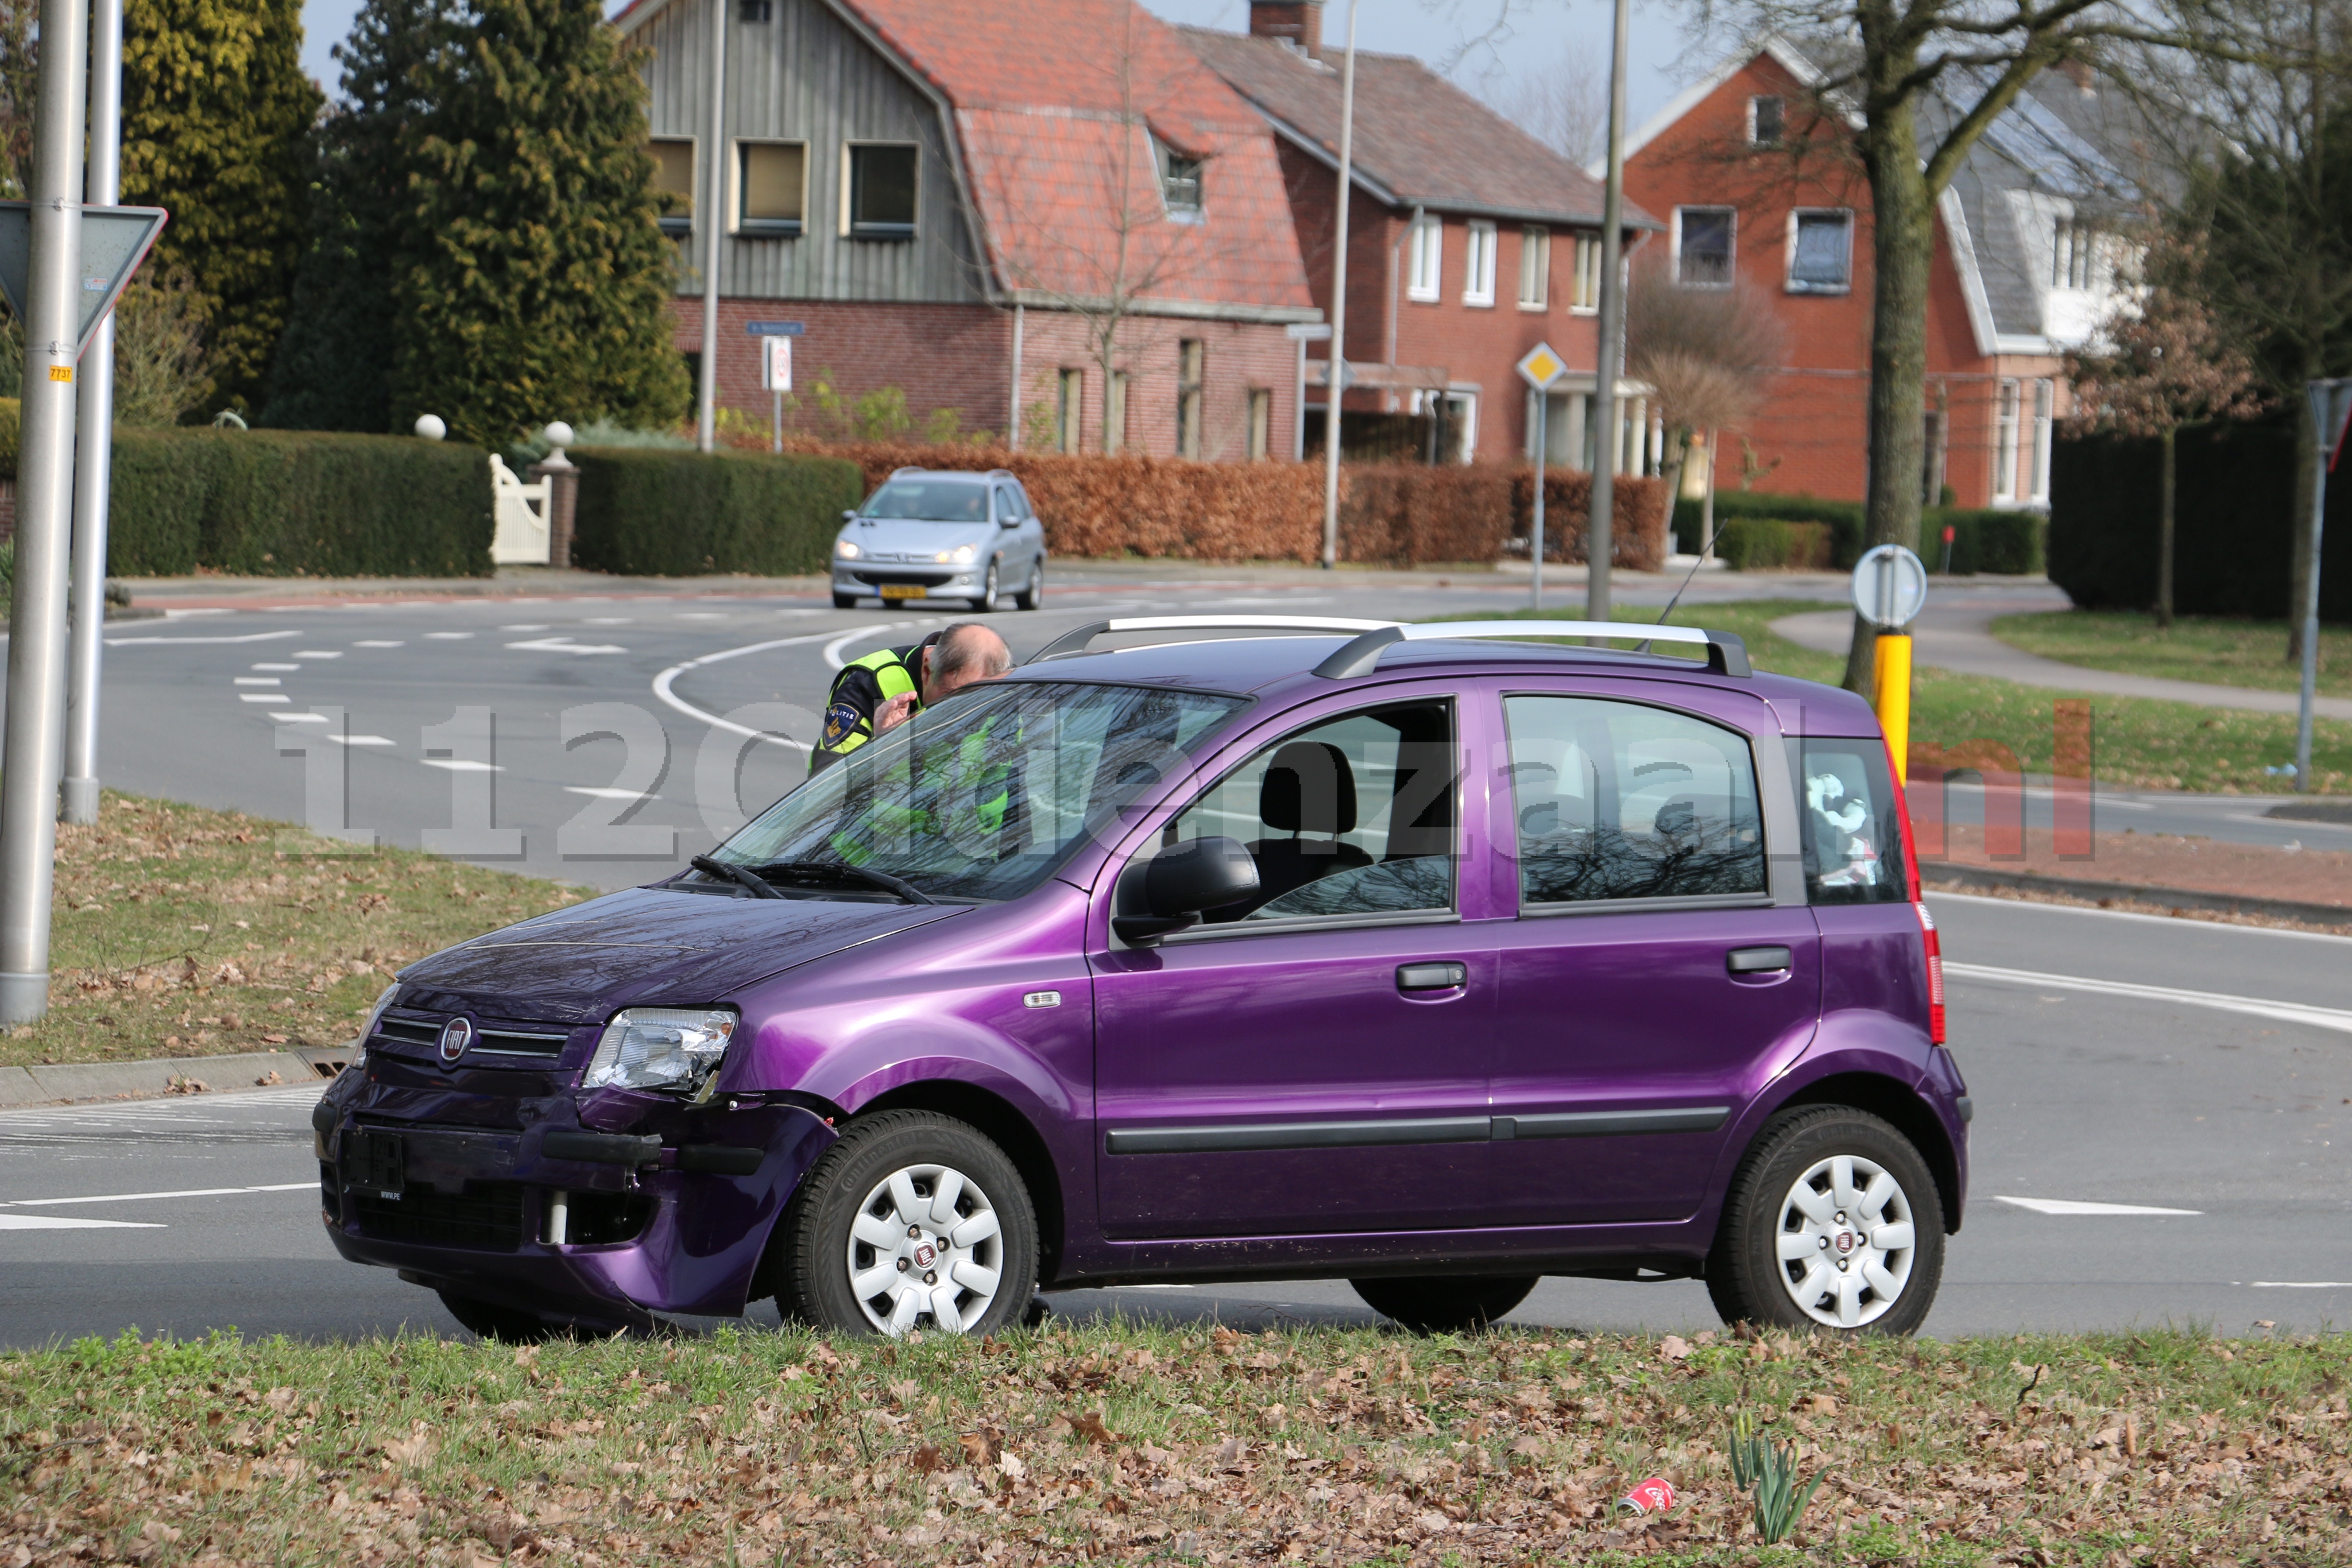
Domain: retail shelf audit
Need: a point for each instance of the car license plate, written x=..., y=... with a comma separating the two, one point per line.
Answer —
x=904, y=590
x=374, y=1162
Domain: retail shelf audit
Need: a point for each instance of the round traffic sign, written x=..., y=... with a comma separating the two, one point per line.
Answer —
x=1890, y=585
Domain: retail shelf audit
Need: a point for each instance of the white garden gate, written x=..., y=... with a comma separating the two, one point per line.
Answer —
x=520, y=512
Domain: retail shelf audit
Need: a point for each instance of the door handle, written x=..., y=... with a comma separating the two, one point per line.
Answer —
x=1757, y=960
x=1432, y=976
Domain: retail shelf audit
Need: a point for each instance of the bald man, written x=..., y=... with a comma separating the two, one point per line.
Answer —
x=876, y=694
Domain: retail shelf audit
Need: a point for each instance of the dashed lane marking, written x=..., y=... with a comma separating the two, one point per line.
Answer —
x=317, y=654
x=145, y=1197
x=2256, y=1006
x=460, y=765
x=300, y=717
x=2075, y=1205
x=358, y=739
x=180, y=642
x=2300, y=1285
x=263, y=697
x=562, y=644
x=276, y=666
x=52, y=1222
x=379, y=645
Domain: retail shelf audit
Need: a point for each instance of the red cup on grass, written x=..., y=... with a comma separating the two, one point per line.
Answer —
x=1653, y=1495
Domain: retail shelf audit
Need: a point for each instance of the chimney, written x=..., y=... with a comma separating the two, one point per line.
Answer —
x=1299, y=23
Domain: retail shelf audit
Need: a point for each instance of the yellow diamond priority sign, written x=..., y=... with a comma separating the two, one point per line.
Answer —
x=1542, y=367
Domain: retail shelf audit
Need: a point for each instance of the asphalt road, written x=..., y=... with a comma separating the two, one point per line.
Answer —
x=2115, y=1060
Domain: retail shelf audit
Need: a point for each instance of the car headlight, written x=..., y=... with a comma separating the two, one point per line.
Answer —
x=962, y=555
x=660, y=1048
x=375, y=1016
x=846, y=549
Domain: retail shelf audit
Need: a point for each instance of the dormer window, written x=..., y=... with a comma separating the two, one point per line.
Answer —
x=2073, y=246
x=1766, y=121
x=1180, y=183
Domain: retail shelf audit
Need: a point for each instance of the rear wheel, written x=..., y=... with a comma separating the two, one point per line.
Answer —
x=910, y=1220
x=845, y=601
x=1445, y=1303
x=490, y=1321
x=1833, y=1222
x=1034, y=596
x=985, y=603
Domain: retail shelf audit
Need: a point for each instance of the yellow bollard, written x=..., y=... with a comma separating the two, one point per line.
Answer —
x=1895, y=700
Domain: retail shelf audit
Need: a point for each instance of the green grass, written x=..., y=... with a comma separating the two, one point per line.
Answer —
x=180, y=931
x=1134, y=1443
x=2222, y=650
x=2137, y=744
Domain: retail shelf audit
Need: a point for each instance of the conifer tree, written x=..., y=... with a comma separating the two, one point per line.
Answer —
x=217, y=114
x=541, y=287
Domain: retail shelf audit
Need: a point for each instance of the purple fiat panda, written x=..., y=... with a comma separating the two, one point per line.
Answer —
x=1395, y=954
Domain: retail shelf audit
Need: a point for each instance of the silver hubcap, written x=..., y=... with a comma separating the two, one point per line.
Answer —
x=926, y=1251
x=1845, y=1242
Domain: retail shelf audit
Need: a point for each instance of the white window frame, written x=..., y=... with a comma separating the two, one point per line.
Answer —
x=1535, y=268
x=1163, y=156
x=763, y=228
x=1789, y=281
x=677, y=224
x=1757, y=98
x=1478, y=264
x=848, y=190
x=1584, y=290
x=1425, y=258
x=1731, y=261
x=2004, y=442
x=2046, y=410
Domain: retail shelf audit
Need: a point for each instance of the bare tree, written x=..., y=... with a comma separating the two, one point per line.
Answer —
x=1563, y=103
x=1706, y=353
x=2159, y=362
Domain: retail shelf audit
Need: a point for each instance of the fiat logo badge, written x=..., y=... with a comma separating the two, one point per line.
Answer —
x=455, y=1036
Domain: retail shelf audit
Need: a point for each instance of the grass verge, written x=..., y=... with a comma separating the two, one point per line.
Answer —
x=2218, y=649
x=2137, y=744
x=1195, y=1444
x=180, y=931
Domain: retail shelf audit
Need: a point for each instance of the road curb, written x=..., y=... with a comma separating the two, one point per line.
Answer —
x=58, y=1083
x=1972, y=878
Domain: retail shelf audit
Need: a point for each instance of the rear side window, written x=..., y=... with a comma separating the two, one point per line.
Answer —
x=1853, y=839
x=1616, y=800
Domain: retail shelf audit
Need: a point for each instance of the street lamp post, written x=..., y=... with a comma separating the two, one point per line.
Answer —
x=1597, y=536
x=1337, y=383
x=2331, y=411
x=714, y=224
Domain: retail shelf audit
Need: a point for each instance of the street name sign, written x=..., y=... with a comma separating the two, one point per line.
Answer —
x=114, y=241
x=776, y=328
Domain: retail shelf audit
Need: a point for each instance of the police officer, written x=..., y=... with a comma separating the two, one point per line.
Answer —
x=876, y=694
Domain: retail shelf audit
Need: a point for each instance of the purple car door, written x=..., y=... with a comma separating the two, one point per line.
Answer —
x=1663, y=965
x=1313, y=1059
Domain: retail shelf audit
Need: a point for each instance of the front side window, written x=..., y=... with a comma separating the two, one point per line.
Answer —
x=673, y=182
x=1854, y=841
x=1703, y=240
x=929, y=501
x=880, y=191
x=1615, y=800
x=1478, y=265
x=982, y=796
x=1821, y=252
x=1426, y=245
x=1350, y=816
x=771, y=185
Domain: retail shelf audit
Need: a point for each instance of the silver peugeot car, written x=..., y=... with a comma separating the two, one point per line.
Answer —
x=930, y=533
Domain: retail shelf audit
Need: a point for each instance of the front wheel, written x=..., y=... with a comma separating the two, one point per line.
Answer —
x=985, y=601
x=1034, y=596
x=1833, y=1222
x=911, y=1221
x=1444, y=1304
x=845, y=601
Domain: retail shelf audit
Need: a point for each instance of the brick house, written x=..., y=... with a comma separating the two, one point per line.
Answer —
x=1754, y=171
x=1468, y=241
x=979, y=204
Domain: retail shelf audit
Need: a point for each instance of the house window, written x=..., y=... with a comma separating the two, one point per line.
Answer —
x=673, y=159
x=2004, y=445
x=878, y=197
x=2073, y=244
x=1821, y=252
x=1765, y=118
x=1180, y=183
x=1115, y=417
x=1584, y=293
x=1703, y=246
x=1535, y=268
x=770, y=186
x=1261, y=424
x=1478, y=265
x=1069, y=408
x=1426, y=245
x=755, y=10
x=2045, y=398
x=1192, y=360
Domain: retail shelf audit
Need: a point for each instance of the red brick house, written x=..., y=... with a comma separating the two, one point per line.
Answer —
x=1468, y=241
x=980, y=204
x=1753, y=171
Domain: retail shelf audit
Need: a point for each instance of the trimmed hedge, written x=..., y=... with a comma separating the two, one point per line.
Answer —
x=647, y=511
x=273, y=503
x=1773, y=544
x=2234, y=523
x=2003, y=540
x=12, y=424
x=1637, y=533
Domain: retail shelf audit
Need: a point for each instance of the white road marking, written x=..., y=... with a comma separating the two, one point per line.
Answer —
x=256, y=681
x=274, y=667
x=460, y=765
x=606, y=792
x=359, y=740
x=700, y=615
x=317, y=654
x=379, y=645
x=609, y=620
x=833, y=649
x=528, y=626
x=50, y=1222
x=263, y=697
x=2011, y=904
x=662, y=682
x=2072, y=1206
x=2255, y=1007
x=300, y=717
x=143, y=1196
x=449, y=636
x=177, y=641
x=562, y=644
x=2300, y=1285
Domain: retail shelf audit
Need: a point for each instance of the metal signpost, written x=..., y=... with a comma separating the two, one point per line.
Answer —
x=776, y=368
x=1540, y=368
x=2331, y=409
x=1599, y=548
x=1303, y=333
x=1890, y=589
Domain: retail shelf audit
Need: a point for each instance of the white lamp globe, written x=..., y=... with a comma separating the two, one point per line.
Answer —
x=430, y=427
x=558, y=433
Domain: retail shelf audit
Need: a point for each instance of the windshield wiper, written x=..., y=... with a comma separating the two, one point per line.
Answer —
x=735, y=874
x=828, y=871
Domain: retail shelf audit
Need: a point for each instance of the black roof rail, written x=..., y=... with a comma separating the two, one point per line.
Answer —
x=1726, y=653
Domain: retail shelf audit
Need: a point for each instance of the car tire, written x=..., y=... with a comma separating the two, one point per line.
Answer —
x=845, y=601
x=1785, y=1229
x=1033, y=597
x=887, y=1174
x=985, y=601
x=509, y=1325
x=1444, y=1304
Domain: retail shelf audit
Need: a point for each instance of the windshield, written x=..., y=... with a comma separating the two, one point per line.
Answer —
x=929, y=501
x=983, y=797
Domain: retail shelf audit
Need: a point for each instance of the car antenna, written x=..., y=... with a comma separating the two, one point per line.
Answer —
x=1677, y=599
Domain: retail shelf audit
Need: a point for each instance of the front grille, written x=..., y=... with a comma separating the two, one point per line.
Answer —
x=409, y=1030
x=543, y=1043
x=927, y=579
x=487, y=1216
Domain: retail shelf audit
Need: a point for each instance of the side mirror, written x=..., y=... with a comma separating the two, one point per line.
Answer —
x=1008, y=521
x=849, y=514
x=1179, y=883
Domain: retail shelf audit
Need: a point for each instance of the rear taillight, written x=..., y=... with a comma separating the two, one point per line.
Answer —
x=1935, y=973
